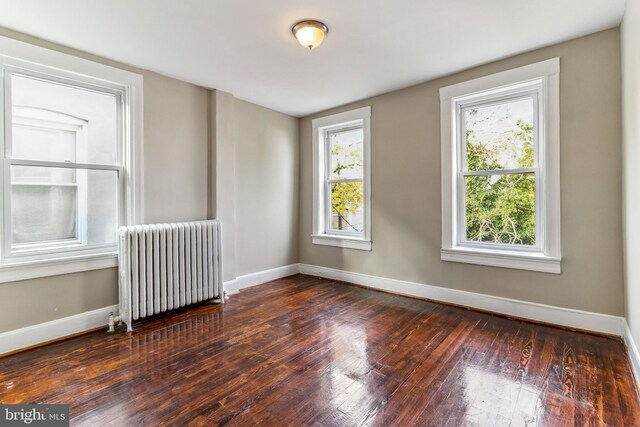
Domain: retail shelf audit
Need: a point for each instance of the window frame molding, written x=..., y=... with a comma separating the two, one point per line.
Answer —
x=547, y=257
x=320, y=126
x=15, y=54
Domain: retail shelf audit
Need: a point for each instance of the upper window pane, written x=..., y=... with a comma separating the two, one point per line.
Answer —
x=347, y=153
x=42, y=140
x=500, y=136
x=57, y=122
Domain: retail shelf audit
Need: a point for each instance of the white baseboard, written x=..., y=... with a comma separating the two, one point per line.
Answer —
x=603, y=323
x=571, y=318
x=634, y=354
x=254, y=279
x=55, y=329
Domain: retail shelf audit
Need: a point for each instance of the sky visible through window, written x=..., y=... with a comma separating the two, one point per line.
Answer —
x=496, y=128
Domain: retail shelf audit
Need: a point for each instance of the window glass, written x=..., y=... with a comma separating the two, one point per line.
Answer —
x=42, y=110
x=41, y=213
x=501, y=208
x=39, y=140
x=499, y=136
x=347, y=202
x=347, y=155
x=102, y=207
x=53, y=206
x=36, y=175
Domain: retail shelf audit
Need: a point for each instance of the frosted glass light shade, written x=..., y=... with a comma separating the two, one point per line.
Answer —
x=310, y=34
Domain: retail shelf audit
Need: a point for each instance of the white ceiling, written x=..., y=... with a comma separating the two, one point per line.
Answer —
x=246, y=47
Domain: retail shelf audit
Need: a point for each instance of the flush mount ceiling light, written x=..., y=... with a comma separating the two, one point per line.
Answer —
x=310, y=34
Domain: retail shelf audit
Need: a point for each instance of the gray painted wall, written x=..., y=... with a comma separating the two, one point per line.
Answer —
x=255, y=153
x=631, y=158
x=175, y=150
x=223, y=141
x=405, y=141
x=267, y=189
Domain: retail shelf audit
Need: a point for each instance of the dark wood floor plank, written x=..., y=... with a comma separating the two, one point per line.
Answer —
x=310, y=351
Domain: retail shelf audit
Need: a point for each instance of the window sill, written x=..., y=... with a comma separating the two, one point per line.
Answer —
x=504, y=259
x=341, y=242
x=12, y=272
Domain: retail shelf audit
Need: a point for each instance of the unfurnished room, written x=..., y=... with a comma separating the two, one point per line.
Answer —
x=320, y=213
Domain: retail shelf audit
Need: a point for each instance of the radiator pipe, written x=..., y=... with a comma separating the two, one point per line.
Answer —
x=113, y=321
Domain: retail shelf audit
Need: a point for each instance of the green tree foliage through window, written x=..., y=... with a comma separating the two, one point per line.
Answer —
x=500, y=208
x=346, y=197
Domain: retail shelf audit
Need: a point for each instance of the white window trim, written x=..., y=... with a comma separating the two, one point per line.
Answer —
x=548, y=259
x=319, y=126
x=15, y=53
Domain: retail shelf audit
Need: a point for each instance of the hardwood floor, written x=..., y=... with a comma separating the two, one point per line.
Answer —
x=307, y=351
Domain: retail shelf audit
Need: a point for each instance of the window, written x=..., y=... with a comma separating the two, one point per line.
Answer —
x=69, y=161
x=500, y=165
x=342, y=202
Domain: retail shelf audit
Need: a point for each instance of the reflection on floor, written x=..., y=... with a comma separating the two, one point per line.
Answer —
x=302, y=351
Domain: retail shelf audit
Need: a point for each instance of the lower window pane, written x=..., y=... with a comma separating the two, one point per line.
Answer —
x=50, y=213
x=347, y=207
x=501, y=209
x=43, y=212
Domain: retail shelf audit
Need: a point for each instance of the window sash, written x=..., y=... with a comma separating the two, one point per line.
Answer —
x=47, y=244
x=498, y=172
x=328, y=206
x=497, y=100
x=43, y=250
x=329, y=210
x=63, y=78
x=68, y=165
x=44, y=184
x=341, y=180
x=80, y=228
x=515, y=94
x=327, y=135
x=464, y=241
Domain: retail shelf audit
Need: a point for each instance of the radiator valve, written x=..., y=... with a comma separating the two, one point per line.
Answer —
x=113, y=321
